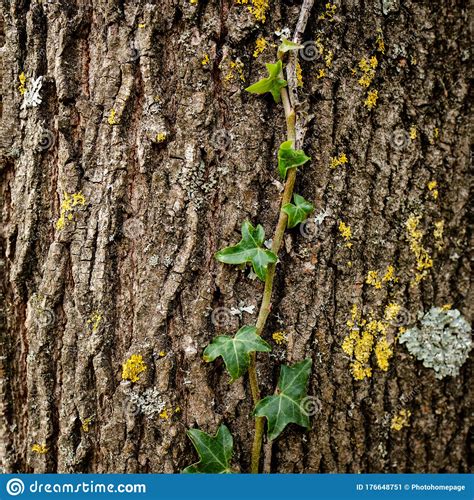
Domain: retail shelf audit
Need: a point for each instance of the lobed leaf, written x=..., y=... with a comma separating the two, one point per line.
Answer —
x=287, y=45
x=214, y=452
x=273, y=83
x=288, y=157
x=286, y=407
x=249, y=249
x=297, y=212
x=235, y=350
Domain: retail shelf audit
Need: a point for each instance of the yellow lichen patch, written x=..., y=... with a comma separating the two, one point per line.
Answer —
x=162, y=354
x=260, y=45
x=132, y=368
x=164, y=414
x=112, y=119
x=367, y=68
x=299, y=75
x=363, y=339
x=167, y=413
x=279, y=337
x=438, y=234
x=435, y=135
x=415, y=236
x=401, y=420
x=432, y=187
x=68, y=206
x=446, y=307
x=160, y=137
x=360, y=372
x=364, y=65
x=413, y=132
x=205, y=60
x=336, y=161
x=330, y=10
x=380, y=42
x=328, y=55
x=328, y=58
x=389, y=275
x=193, y=2
x=141, y=25
x=319, y=45
x=236, y=70
x=371, y=100
x=321, y=74
x=383, y=353
x=22, y=86
x=346, y=232
x=41, y=449
x=391, y=311
x=373, y=279
x=258, y=8
x=85, y=425
x=94, y=321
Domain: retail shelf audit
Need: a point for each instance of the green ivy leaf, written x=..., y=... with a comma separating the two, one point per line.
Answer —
x=286, y=407
x=290, y=158
x=287, y=45
x=249, y=249
x=215, y=452
x=273, y=83
x=298, y=212
x=235, y=350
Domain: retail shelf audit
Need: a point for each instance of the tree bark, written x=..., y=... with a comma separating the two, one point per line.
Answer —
x=168, y=178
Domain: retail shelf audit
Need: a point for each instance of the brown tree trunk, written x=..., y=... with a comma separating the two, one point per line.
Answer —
x=169, y=178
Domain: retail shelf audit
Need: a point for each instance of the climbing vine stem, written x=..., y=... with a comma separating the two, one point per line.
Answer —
x=265, y=305
x=239, y=351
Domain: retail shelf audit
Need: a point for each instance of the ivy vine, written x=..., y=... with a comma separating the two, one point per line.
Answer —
x=239, y=352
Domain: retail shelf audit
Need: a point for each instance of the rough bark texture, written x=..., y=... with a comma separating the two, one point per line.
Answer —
x=140, y=251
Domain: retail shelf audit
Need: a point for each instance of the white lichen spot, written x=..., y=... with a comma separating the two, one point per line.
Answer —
x=238, y=311
x=442, y=341
x=31, y=97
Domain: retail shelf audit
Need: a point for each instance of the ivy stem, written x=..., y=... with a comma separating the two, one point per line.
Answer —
x=265, y=305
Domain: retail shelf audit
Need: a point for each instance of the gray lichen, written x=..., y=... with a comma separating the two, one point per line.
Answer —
x=442, y=341
x=149, y=403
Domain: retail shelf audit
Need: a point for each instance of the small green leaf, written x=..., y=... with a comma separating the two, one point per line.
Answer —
x=286, y=407
x=287, y=45
x=235, y=350
x=249, y=249
x=298, y=212
x=273, y=83
x=290, y=158
x=215, y=452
